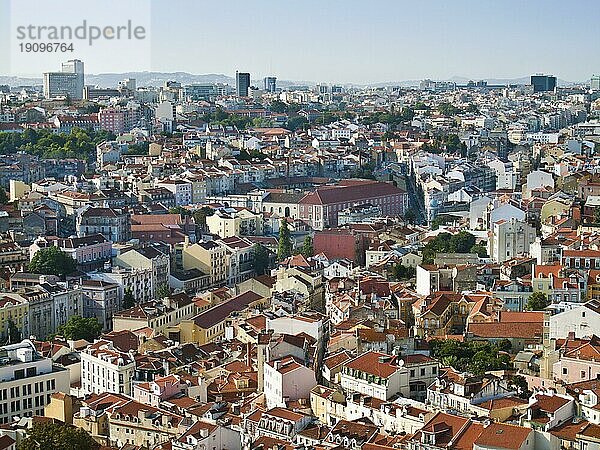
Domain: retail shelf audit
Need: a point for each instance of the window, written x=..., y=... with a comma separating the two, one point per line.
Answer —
x=565, y=371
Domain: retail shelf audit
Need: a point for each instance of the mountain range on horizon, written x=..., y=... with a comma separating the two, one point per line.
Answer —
x=155, y=79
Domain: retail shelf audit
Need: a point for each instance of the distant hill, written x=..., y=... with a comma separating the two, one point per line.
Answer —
x=464, y=80
x=158, y=78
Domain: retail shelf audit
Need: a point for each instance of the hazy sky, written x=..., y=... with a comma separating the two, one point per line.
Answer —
x=357, y=41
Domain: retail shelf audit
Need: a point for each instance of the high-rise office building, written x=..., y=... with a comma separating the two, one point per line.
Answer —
x=128, y=84
x=543, y=83
x=270, y=84
x=70, y=81
x=242, y=83
x=595, y=83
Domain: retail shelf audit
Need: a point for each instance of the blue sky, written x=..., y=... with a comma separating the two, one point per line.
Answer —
x=358, y=41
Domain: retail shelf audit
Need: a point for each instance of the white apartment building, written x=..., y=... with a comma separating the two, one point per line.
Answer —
x=106, y=369
x=581, y=319
x=287, y=379
x=510, y=238
x=180, y=188
x=27, y=381
x=137, y=280
x=377, y=375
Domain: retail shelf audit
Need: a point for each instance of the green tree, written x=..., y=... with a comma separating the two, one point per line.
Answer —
x=140, y=148
x=14, y=334
x=439, y=220
x=52, y=261
x=308, y=249
x=78, y=327
x=3, y=196
x=53, y=436
x=481, y=250
x=401, y=272
x=163, y=291
x=285, y=240
x=295, y=123
x=128, y=299
x=410, y=216
x=179, y=210
x=278, y=106
x=519, y=383
x=597, y=215
x=473, y=356
x=448, y=109
x=538, y=301
x=462, y=242
x=201, y=214
x=452, y=143
x=261, y=259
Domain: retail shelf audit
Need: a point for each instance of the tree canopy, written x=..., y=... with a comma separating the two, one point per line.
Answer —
x=201, y=214
x=79, y=143
x=295, y=123
x=285, y=240
x=473, y=357
x=52, y=261
x=3, y=196
x=53, y=436
x=261, y=259
x=402, y=273
x=461, y=242
x=223, y=118
x=163, y=291
x=391, y=119
x=308, y=249
x=128, y=299
x=538, y=301
x=78, y=327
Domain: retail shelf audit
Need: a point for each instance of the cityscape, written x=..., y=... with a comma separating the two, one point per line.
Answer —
x=242, y=261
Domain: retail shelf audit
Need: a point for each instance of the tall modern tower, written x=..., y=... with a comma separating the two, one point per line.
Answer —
x=270, y=84
x=70, y=81
x=595, y=83
x=242, y=83
x=543, y=83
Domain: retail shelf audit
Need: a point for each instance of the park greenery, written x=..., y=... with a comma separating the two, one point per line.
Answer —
x=449, y=143
x=391, y=119
x=54, y=436
x=225, y=119
x=79, y=143
x=403, y=273
x=52, y=261
x=462, y=242
x=199, y=215
x=77, y=327
x=474, y=357
x=538, y=301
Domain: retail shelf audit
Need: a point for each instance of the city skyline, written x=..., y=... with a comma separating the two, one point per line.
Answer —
x=356, y=43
